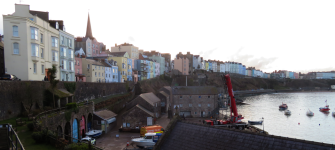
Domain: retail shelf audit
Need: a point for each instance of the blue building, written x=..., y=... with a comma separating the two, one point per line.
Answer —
x=129, y=69
x=210, y=67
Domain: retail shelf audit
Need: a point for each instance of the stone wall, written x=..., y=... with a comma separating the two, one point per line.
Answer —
x=18, y=96
x=195, y=101
x=139, y=100
x=136, y=117
x=57, y=119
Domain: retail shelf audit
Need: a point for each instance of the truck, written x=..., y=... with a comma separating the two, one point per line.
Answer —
x=235, y=119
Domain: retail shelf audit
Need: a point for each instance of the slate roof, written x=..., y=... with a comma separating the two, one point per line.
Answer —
x=188, y=136
x=43, y=15
x=105, y=114
x=145, y=110
x=118, y=54
x=194, y=90
x=151, y=98
x=94, y=62
x=162, y=92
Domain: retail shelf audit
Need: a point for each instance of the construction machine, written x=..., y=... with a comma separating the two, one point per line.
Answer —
x=235, y=120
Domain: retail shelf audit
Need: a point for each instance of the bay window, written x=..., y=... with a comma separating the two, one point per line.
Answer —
x=34, y=34
x=54, y=41
x=54, y=56
x=63, y=52
x=34, y=49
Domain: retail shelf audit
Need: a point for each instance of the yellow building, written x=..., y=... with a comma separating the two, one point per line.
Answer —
x=122, y=62
x=126, y=47
x=207, y=65
x=31, y=44
x=93, y=70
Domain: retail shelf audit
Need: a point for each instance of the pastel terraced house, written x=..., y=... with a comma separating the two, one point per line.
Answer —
x=31, y=43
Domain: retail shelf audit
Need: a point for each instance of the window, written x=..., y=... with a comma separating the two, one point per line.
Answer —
x=156, y=104
x=195, y=112
x=209, y=105
x=113, y=76
x=57, y=25
x=42, y=69
x=88, y=66
x=209, y=96
x=102, y=74
x=54, y=42
x=199, y=105
x=181, y=97
x=189, y=105
x=41, y=38
x=209, y=112
x=34, y=50
x=63, y=52
x=62, y=39
x=106, y=75
x=78, y=71
x=95, y=67
x=180, y=105
x=99, y=74
x=190, y=96
x=42, y=53
x=95, y=74
x=70, y=65
x=16, y=31
x=34, y=34
x=66, y=41
x=199, y=96
x=70, y=53
x=16, y=48
x=64, y=64
x=99, y=67
x=35, y=68
x=54, y=56
x=70, y=43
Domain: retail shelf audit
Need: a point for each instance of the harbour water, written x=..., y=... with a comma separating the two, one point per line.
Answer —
x=276, y=123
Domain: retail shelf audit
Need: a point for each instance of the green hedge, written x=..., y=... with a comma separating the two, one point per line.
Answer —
x=71, y=105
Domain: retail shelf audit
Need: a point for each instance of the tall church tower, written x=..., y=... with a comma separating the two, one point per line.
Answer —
x=89, y=29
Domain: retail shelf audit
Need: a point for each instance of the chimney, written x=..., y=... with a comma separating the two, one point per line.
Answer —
x=115, y=45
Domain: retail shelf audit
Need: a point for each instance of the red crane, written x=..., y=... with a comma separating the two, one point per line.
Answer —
x=235, y=118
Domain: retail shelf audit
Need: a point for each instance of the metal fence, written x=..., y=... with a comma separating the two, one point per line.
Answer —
x=14, y=142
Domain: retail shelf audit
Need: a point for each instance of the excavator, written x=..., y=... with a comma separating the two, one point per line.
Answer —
x=235, y=120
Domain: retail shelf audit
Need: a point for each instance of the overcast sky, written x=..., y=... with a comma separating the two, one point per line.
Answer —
x=269, y=35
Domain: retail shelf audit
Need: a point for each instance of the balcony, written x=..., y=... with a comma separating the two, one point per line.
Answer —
x=62, y=57
x=34, y=58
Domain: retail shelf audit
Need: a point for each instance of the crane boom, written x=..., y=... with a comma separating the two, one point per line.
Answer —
x=233, y=109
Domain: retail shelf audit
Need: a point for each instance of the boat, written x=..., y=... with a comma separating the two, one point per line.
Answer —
x=94, y=133
x=255, y=122
x=148, y=140
x=287, y=112
x=309, y=113
x=283, y=106
x=325, y=109
x=333, y=113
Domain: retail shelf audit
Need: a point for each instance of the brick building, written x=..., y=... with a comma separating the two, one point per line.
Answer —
x=195, y=101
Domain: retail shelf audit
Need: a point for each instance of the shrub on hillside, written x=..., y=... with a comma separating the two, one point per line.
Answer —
x=42, y=136
x=75, y=146
x=30, y=126
x=71, y=105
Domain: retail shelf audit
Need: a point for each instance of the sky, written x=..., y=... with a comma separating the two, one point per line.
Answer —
x=273, y=35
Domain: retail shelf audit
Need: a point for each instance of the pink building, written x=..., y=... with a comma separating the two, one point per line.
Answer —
x=296, y=75
x=80, y=77
x=182, y=64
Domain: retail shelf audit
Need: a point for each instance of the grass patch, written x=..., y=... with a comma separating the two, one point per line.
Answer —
x=25, y=135
x=101, y=99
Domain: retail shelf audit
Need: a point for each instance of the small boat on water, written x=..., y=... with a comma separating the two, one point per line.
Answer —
x=325, y=109
x=283, y=106
x=309, y=113
x=255, y=122
x=94, y=133
x=287, y=112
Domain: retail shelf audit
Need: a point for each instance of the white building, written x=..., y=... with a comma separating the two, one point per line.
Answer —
x=157, y=68
x=223, y=67
x=197, y=62
x=31, y=43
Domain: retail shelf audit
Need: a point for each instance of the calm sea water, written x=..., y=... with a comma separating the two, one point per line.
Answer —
x=277, y=123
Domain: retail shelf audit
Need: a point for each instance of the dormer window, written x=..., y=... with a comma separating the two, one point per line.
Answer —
x=57, y=26
x=63, y=28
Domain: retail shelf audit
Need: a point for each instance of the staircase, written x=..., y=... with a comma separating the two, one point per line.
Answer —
x=9, y=138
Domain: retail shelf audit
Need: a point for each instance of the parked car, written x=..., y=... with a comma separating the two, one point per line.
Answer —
x=88, y=139
x=9, y=77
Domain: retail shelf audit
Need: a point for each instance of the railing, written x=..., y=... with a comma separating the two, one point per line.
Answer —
x=14, y=143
